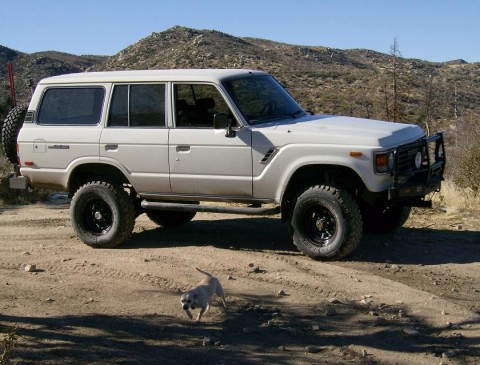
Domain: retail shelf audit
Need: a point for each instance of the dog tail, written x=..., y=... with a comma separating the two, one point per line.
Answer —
x=203, y=272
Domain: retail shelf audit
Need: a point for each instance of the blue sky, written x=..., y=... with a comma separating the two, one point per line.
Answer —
x=433, y=30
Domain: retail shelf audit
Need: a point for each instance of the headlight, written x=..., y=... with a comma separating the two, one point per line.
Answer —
x=384, y=162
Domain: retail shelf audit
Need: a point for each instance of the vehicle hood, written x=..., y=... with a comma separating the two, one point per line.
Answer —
x=339, y=130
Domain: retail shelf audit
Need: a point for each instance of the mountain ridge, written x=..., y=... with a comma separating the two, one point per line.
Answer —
x=356, y=82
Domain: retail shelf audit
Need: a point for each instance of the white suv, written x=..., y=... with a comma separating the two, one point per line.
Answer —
x=163, y=142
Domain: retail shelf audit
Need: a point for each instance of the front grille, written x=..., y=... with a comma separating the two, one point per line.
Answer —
x=431, y=168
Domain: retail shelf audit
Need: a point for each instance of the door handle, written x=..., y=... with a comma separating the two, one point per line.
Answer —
x=111, y=147
x=183, y=148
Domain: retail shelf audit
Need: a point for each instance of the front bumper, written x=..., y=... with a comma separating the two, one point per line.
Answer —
x=410, y=182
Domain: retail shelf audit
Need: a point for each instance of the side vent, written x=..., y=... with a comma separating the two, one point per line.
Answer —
x=268, y=156
x=29, y=116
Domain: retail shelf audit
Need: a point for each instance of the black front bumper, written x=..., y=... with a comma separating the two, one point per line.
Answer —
x=412, y=183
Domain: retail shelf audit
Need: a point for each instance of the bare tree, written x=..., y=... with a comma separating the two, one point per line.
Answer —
x=428, y=102
x=386, y=98
x=395, y=53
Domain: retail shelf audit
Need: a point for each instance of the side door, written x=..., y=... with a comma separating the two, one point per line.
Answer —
x=203, y=161
x=135, y=138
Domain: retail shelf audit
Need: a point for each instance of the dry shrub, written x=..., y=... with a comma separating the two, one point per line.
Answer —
x=463, y=161
x=456, y=198
x=8, y=342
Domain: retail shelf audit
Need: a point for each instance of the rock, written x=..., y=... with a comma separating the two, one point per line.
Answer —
x=449, y=354
x=410, y=331
x=207, y=341
x=315, y=327
x=254, y=270
x=281, y=293
x=30, y=268
x=364, y=353
x=230, y=277
x=49, y=300
x=313, y=349
x=335, y=301
x=282, y=348
x=217, y=343
x=449, y=324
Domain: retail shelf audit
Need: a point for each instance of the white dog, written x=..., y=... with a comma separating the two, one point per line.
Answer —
x=201, y=295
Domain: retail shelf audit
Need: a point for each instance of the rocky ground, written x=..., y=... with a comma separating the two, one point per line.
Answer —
x=410, y=297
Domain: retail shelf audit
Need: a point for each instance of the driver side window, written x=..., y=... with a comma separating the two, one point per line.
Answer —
x=196, y=104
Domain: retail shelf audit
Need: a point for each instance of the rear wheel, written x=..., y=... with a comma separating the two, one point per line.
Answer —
x=102, y=214
x=326, y=223
x=384, y=219
x=170, y=219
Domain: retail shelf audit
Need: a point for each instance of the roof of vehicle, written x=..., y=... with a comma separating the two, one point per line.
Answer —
x=186, y=75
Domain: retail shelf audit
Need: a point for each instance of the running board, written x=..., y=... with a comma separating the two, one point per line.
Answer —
x=209, y=208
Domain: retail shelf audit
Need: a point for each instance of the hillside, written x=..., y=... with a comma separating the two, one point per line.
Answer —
x=325, y=80
x=39, y=65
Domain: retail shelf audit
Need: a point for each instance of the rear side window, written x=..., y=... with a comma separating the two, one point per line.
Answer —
x=137, y=106
x=71, y=106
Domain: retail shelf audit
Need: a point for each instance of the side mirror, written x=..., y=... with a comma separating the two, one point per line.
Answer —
x=221, y=121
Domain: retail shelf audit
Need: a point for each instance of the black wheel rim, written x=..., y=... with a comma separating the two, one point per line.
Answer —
x=98, y=217
x=320, y=225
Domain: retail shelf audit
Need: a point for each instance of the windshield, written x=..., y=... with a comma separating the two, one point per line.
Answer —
x=262, y=99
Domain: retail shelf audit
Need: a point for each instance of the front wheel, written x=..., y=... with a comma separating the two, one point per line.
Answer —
x=326, y=223
x=102, y=214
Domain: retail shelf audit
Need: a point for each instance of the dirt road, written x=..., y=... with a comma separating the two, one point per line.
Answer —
x=411, y=297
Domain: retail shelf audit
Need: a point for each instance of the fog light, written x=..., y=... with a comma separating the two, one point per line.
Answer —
x=418, y=160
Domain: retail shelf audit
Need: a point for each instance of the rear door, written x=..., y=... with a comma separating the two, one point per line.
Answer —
x=136, y=138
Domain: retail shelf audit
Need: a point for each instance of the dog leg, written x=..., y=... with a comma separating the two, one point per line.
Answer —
x=221, y=294
x=189, y=314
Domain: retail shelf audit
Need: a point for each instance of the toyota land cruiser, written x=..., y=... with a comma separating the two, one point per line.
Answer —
x=166, y=142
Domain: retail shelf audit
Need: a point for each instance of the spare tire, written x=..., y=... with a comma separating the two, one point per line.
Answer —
x=11, y=126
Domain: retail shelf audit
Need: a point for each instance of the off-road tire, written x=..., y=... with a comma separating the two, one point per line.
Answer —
x=381, y=220
x=170, y=219
x=325, y=223
x=102, y=214
x=11, y=126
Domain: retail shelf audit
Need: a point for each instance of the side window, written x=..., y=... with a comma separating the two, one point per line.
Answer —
x=137, y=106
x=71, y=106
x=196, y=104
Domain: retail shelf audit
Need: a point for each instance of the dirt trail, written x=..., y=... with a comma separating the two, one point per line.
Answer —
x=411, y=297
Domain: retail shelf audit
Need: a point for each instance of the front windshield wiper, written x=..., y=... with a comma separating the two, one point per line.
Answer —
x=269, y=117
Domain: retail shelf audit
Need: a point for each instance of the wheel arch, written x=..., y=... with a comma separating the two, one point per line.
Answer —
x=314, y=174
x=89, y=171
